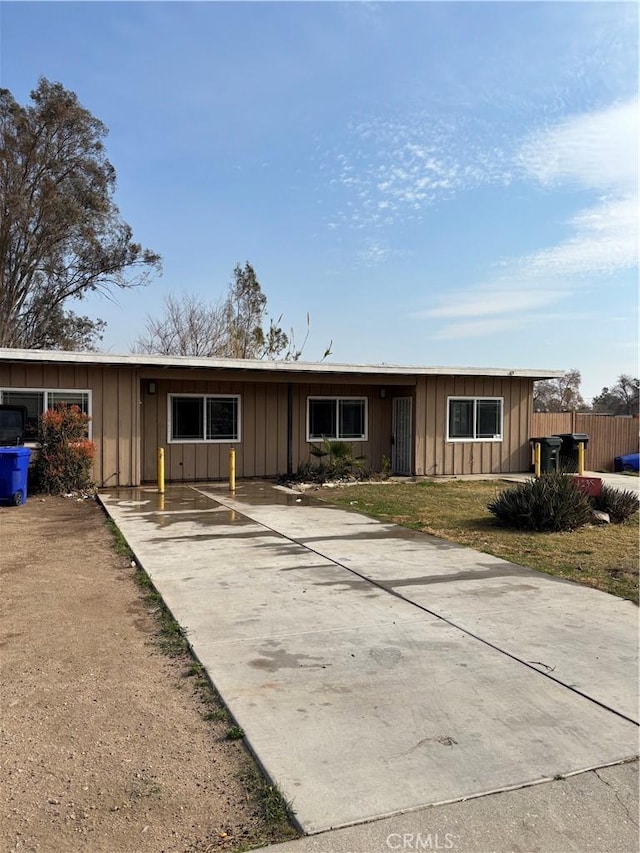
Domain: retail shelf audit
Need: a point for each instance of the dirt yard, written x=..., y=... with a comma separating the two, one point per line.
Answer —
x=107, y=743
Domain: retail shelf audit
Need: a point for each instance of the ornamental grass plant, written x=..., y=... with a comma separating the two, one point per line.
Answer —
x=550, y=503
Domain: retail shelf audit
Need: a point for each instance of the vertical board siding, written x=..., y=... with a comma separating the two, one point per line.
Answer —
x=420, y=439
x=149, y=430
x=262, y=450
x=609, y=435
x=129, y=424
x=435, y=456
x=115, y=425
x=379, y=421
x=263, y=437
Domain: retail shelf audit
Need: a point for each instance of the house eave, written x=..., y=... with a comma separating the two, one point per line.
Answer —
x=281, y=367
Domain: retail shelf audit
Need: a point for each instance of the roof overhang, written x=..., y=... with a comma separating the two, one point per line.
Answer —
x=241, y=364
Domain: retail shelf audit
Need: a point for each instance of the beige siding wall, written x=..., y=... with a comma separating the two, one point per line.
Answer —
x=129, y=424
x=435, y=456
x=379, y=423
x=114, y=406
x=262, y=451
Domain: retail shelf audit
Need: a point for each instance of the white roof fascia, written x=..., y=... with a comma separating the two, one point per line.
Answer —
x=161, y=361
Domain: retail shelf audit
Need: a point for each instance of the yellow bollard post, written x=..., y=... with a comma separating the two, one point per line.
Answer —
x=232, y=470
x=161, y=470
x=581, y=458
x=536, y=459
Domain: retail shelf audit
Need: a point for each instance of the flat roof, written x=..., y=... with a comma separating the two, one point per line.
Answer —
x=187, y=362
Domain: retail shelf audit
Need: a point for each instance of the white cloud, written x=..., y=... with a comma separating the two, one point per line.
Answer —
x=396, y=170
x=605, y=240
x=596, y=151
x=372, y=254
x=484, y=302
x=474, y=329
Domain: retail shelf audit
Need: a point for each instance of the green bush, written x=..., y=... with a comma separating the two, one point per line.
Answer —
x=551, y=503
x=66, y=455
x=335, y=461
x=619, y=505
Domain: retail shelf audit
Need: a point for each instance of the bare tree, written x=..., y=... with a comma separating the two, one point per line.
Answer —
x=236, y=327
x=559, y=395
x=61, y=235
x=189, y=326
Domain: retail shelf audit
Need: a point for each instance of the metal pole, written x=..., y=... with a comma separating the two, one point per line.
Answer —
x=536, y=458
x=161, y=470
x=232, y=470
x=581, y=458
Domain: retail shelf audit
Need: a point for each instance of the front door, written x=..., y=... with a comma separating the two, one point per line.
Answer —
x=401, y=431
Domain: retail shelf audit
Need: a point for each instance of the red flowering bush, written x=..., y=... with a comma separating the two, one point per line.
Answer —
x=66, y=454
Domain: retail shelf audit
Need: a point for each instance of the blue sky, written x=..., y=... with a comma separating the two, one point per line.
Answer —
x=435, y=183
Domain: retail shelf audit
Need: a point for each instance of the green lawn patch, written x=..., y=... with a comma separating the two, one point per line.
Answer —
x=601, y=556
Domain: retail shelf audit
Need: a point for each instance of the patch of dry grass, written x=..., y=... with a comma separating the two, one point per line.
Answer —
x=601, y=556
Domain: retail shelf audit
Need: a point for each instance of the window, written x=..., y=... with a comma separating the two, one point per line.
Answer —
x=337, y=417
x=475, y=419
x=204, y=418
x=38, y=401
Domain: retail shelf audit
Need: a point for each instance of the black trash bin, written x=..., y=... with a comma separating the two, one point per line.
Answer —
x=549, y=452
x=13, y=424
x=569, y=449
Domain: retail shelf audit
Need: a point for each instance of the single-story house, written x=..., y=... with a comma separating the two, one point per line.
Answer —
x=425, y=420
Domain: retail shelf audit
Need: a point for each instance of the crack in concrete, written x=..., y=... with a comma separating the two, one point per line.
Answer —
x=617, y=796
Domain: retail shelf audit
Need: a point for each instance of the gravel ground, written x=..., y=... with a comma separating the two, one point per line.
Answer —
x=105, y=745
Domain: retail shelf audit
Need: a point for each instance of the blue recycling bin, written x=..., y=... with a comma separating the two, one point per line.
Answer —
x=14, y=467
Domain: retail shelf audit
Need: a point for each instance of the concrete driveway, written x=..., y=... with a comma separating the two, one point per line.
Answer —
x=376, y=670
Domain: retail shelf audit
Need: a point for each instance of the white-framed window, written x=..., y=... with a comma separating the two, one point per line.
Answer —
x=337, y=417
x=38, y=400
x=203, y=418
x=474, y=418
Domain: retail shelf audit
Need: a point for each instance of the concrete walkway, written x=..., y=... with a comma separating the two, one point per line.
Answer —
x=378, y=671
x=579, y=636
x=593, y=812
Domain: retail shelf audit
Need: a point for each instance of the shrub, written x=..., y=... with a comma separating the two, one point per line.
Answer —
x=336, y=460
x=619, y=505
x=549, y=503
x=64, y=461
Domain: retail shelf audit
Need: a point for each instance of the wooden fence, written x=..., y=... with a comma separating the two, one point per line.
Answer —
x=609, y=435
